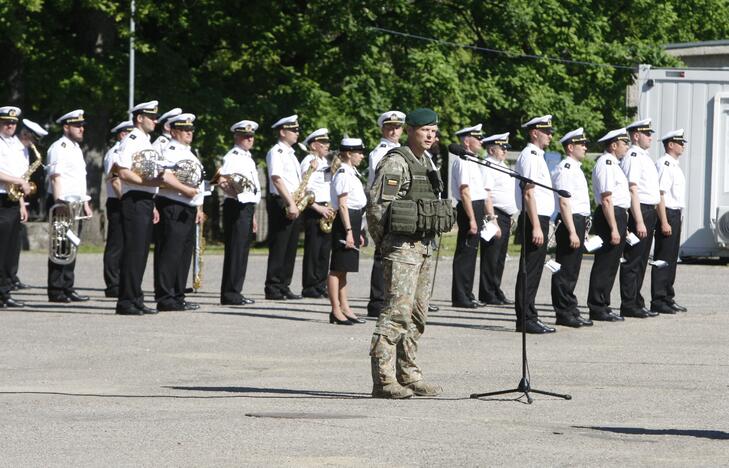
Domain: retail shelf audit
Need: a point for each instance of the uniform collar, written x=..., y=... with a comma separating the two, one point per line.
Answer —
x=637, y=149
x=138, y=132
x=179, y=143
x=673, y=161
x=244, y=151
x=284, y=146
x=389, y=142
x=533, y=147
x=610, y=156
x=70, y=141
x=570, y=159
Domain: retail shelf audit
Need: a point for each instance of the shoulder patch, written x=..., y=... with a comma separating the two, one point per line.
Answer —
x=567, y=165
x=133, y=136
x=280, y=150
x=390, y=186
x=171, y=147
x=382, y=145
x=341, y=170
x=235, y=151
x=534, y=152
x=609, y=162
x=666, y=163
x=634, y=154
x=63, y=144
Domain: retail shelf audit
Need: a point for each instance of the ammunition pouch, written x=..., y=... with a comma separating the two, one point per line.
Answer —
x=421, y=218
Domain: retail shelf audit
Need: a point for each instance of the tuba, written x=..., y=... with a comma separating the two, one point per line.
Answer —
x=64, y=222
x=15, y=193
x=325, y=224
x=303, y=198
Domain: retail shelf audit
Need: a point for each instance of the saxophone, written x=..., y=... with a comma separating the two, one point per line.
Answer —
x=15, y=192
x=325, y=224
x=303, y=198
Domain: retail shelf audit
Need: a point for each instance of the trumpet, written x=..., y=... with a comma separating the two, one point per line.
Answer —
x=64, y=222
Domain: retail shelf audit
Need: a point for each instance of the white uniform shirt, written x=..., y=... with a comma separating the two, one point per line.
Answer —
x=109, y=161
x=503, y=188
x=376, y=156
x=161, y=142
x=346, y=180
x=318, y=182
x=608, y=177
x=66, y=160
x=568, y=176
x=175, y=152
x=467, y=173
x=13, y=159
x=640, y=169
x=240, y=161
x=282, y=162
x=671, y=182
x=136, y=141
x=531, y=164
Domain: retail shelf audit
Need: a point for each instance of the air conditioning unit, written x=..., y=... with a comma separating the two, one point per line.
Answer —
x=721, y=226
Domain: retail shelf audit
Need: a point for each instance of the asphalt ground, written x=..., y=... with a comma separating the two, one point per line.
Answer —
x=274, y=384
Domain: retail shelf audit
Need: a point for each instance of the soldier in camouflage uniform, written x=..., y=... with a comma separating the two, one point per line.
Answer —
x=404, y=216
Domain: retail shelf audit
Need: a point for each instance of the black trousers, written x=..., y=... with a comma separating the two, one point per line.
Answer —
x=632, y=271
x=377, y=285
x=136, y=208
x=667, y=248
x=532, y=259
x=174, y=243
x=238, y=235
x=283, y=239
x=607, y=261
x=464, y=259
x=565, y=280
x=9, y=238
x=15, y=254
x=493, y=259
x=114, y=245
x=317, y=248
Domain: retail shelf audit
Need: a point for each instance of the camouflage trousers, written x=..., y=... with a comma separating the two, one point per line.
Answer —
x=407, y=271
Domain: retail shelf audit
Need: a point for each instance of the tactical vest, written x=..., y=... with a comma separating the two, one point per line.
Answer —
x=420, y=213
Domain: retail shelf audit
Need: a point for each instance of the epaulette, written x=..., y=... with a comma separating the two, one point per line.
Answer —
x=171, y=147
x=608, y=162
x=341, y=170
x=534, y=152
x=567, y=165
x=666, y=163
x=235, y=151
x=133, y=136
x=63, y=144
x=634, y=154
x=382, y=145
x=280, y=150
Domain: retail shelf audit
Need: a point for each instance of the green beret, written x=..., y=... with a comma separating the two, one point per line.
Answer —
x=421, y=116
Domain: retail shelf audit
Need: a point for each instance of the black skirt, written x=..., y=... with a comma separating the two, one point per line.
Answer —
x=344, y=259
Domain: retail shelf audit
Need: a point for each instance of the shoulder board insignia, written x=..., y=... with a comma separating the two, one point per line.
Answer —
x=171, y=147
x=609, y=162
x=382, y=145
x=340, y=171
x=235, y=151
x=163, y=138
x=63, y=144
x=567, y=165
x=133, y=136
x=634, y=154
x=534, y=152
x=280, y=150
x=666, y=163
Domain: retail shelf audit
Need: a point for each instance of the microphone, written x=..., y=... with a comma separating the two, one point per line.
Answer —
x=459, y=150
x=564, y=194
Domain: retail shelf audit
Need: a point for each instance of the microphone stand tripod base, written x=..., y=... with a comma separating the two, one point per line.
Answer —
x=524, y=388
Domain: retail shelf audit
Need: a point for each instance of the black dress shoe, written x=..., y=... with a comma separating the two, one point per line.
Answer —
x=569, y=321
x=240, y=301
x=336, y=321
x=478, y=303
x=76, y=297
x=275, y=297
x=465, y=305
x=10, y=302
x=433, y=308
x=677, y=308
x=147, y=311
x=649, y=312
x=635, y=313
x=311, y=293
x=111, y=293
x=290, y=296
x=603, y=317
x=129, y=311
x=585, y=322
x=534, y=327
x=506, y=301
x=190, y=305
x=60, y=299
x=19, y=285
x=545, y=326
x=663, y=309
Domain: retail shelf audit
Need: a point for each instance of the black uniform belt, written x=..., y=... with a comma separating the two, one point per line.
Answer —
x=673, y=210
x=138, y=195
x=647, y=206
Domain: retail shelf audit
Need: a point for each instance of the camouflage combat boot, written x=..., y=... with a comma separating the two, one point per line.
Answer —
x=384, y=383
x=421, y=388
x=408, y=372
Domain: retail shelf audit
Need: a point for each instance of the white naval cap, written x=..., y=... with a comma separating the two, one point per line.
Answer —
x=640, y=126
x=575, y=136
x=617, y=134
x=351, y=144
x=674, y=135
x=39, y=131
x=500, y=139
x=169, y=114
x=75, y=117
x=246, y=127
x=149, y=108
x=288, y=123
x=474, y=131
x=123, y=126
x=541, y=123
x=320, y=134
x=10, y=113
x=391, y=117
x=184, y=121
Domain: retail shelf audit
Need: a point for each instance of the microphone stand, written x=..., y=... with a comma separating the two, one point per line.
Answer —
x=524, y=386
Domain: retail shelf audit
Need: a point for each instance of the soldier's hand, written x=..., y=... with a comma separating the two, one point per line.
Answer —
x=498, y=232
x=155, y=216
x=255, y=225
x=349, y=240
x=537, y=237
x=614, y=237
x=473, y=227
x=293, y=211
x=191, y=192
x=328, y=213
x=25, y=187
x=641, y=230
x=574, y=241
x=23, y=212
x=666, y=229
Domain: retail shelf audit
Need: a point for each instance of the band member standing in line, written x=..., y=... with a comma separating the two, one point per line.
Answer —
x=67, y=178
x=164, y=120
x=284, y=221
x=610, y=187
x=114, y=237
x=390, y=124
x=317, y=244
x=573, y=215
x=493, y=252
x=179, y=211
x=13, y=164
x=672, y=184
x=239, y=209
